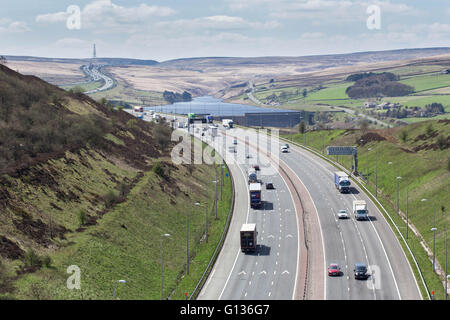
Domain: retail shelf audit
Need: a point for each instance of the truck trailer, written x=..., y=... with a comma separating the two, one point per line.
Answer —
x=252, y=176
x=255, y=195
x=342, y=182
x=248, y=237
x=360, y=210
x=227, y=123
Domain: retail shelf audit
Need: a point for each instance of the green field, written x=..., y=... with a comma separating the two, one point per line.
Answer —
x=88, y=86
x=130, y=95
x=430, y=86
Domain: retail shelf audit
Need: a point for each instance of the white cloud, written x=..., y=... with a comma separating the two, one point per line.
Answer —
x=14, y=27
x=218, y=22
x=105, y=14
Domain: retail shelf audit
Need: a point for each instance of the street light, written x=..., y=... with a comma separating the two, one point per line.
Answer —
x=434, y=241
x=161, y=241
x=446, y=281
x=115, y=285
x=206, y=219
x=398, y=204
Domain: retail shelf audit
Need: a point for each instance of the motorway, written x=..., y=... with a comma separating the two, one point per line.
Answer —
x=96, y=75
x=270, y=272
x=273, y=272
x=349, y=241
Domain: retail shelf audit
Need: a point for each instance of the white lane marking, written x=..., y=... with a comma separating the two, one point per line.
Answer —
x=237, y=254
x=306, y=155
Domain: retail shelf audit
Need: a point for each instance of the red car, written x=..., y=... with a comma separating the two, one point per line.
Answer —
x=256, y=167
x=334, y=270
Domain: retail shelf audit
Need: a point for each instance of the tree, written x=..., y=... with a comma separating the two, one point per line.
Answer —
x=404, y=135
x=3, y=60
x=429, y=129
x=302, y=127
x=364, y=126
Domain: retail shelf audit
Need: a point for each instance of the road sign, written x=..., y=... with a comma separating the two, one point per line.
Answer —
x=341, y=151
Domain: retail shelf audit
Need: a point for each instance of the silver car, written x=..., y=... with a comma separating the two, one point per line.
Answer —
x=342, y=214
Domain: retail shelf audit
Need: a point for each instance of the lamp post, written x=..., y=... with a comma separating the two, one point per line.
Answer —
x=206, y=220
x=434, y=252
x=398, y=204
x=115, y=286
x=376, y=175
x=187, y=242
x=161, y=241
x=215, y=202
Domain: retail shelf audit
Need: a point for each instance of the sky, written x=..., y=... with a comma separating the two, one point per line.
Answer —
x=170, y=29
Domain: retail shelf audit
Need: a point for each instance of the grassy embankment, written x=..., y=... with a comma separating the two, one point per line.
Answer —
x=425, y=172
x=125, y=244
x=100, y=201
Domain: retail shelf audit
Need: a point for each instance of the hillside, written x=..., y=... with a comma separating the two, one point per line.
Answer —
x=420, y=154
x=87, y=185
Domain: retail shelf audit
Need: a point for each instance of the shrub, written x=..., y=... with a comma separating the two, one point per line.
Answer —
x=31, y=259
x=441, y=142
x=81, y=217
x=429, y=129
x=110, y=198
x=158, y=169
x=404, y=135
x=47, y=261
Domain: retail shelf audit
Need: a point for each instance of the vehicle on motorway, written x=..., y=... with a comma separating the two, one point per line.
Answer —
x=209, y=119
x=248, y=237
x=252, y=176
x=227, y=123
x=255, y=195
x=256, y=167
x=342, y=214
x=334, y=270
x=235, y=141
x=213, y=130
x=360, y=209
x=269, y=186
x=287, y=145
x=342, y=182
x=181, y=125
x=284, y=149
x=141, y=116
x=138, y=109
x=360, y=271
x=232, y=149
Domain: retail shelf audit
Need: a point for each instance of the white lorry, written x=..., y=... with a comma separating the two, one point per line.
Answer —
x=360, y=210
x=227, y=123
x=213, y=130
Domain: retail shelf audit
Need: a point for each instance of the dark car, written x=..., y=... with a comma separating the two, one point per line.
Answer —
x=256, y=167
x=269, y=185
x=334, y=270
x=360, y=271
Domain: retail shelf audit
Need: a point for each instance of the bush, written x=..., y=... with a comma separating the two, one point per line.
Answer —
x=441, y=142
x=429, y=129
x=110, y=199
x=158, y=169
x=47, y=261
x=81, y=217
x=31, y=259
x=404, y=135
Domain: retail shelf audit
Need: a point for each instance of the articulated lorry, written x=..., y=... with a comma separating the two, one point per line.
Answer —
x=255, y=195
x=360, y=210
x=248, y=237
x=342, y=182
x=252, y=176
x=227, y=123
